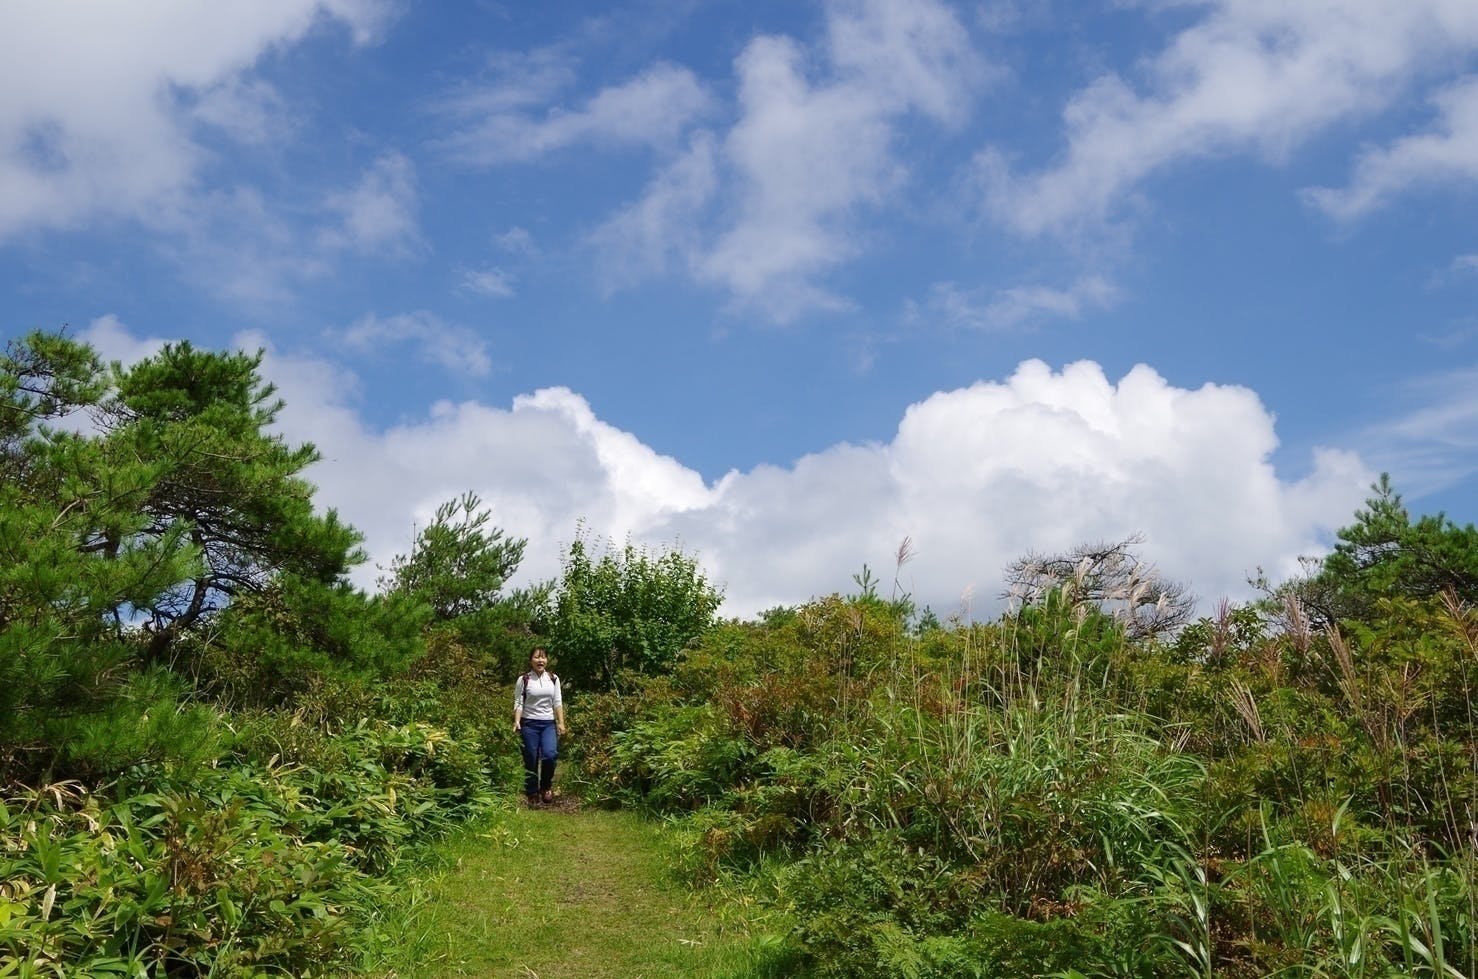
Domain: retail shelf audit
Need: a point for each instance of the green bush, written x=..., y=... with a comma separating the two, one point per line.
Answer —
x=1043, y=796
x=274, y=861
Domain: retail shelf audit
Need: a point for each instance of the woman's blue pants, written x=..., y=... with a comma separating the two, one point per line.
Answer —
x=540, y=751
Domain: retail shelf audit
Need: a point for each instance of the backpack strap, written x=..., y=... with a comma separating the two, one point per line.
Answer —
x=524, y=694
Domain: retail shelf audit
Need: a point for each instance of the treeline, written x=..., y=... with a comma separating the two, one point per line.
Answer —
x=215, y=751
x=213, y=747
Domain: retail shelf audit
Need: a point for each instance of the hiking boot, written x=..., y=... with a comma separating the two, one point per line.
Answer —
x=533, y=800
x=548, y=796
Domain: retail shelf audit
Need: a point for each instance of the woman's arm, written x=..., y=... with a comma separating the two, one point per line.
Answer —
x=518, y=705
x=559, y=718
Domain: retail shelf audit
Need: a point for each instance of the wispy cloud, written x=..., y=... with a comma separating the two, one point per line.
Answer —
x=236, y=244
x=248, y=110
x=435, y=341
x=1446, y=153
x=1434, y=444
x=1462, y=269
x=507, y=121
x=804, y=158
x=662, y=228
x=1258, y=78
x=255, y=251
x=491, y=282
x=516, y=241
x=1009, y=308
x=378, y=214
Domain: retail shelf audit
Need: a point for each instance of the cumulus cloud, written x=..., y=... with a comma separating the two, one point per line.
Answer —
x=498, y=125
x=454, y=348
x=114, y=341
x=100, y=102
x=975, y=477
x=1245, y=77
x=542, y=465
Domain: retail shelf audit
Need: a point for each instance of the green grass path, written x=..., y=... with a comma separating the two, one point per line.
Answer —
x=569, y=892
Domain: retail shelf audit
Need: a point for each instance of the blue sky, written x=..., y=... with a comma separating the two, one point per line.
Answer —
x=789, y=282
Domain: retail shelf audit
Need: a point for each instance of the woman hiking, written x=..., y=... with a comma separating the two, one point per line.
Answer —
x=539, y=717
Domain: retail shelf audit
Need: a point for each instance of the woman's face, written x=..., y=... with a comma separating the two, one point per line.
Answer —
x=539, y=660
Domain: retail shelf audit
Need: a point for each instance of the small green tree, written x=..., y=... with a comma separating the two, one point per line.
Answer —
x=76, y=559
x=458, y=567
x=458, y=563
x=627, y=610
x=204, y=420
x=137, y=504
x=1385, y=554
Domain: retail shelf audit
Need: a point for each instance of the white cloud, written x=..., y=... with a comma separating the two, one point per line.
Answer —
x=438, y=342
x=517, y=241
x=1433, y=445
x=1015, y=306
x=1447, y=153
x=522, y=80
x=114, y=341
x=1460, y=270
x=916, y=53
x=248, y=110
x=99, y=100
x=243, y=247
x=492, y=282
x=542, y=466
x=804, y=158
x=379, y=212
x=1246, y=77
x=498, y=125
x=975, y=477
x=661, y=228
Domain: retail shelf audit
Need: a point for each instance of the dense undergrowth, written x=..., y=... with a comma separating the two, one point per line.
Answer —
x=273, y=858
x=1042, y=796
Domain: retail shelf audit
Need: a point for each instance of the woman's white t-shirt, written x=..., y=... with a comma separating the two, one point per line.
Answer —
x=540, y=698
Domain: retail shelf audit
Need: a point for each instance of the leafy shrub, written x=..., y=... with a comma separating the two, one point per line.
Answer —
x=173, y=883
x=265, y=864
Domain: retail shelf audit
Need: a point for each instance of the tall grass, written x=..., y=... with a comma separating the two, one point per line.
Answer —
x=1040, y=794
